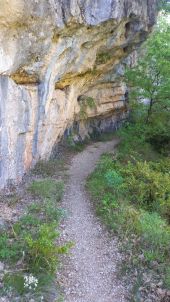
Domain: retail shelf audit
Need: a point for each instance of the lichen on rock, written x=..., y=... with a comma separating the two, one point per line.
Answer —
x=52, y=52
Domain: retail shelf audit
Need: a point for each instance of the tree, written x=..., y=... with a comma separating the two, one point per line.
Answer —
x=150, y=82
x=164, y=5
x=150, y=78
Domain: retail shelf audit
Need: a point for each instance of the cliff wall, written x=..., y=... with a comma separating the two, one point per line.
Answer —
x=62, y=63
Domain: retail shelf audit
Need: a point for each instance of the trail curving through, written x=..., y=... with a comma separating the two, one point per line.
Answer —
x=89, y=273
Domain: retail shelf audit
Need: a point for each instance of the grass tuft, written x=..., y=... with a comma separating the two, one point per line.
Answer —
x=47, y=188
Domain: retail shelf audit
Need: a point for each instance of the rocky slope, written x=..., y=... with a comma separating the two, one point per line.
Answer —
x=61, y=63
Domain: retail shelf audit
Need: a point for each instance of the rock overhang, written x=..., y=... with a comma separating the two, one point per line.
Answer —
x=52, y=53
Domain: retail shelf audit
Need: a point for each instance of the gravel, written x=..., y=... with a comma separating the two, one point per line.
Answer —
x=89, y=273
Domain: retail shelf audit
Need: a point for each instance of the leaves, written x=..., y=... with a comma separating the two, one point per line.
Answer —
x=150, y=78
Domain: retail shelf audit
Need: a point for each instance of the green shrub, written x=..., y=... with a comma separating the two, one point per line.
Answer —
x=133, y=144
x=14, y=282
x=162, y=165
x=47, y=210
x=10, y=250
x=106, y=162
x=109, y=209
x=130, y=219
x=47, y=188
x=107, y=205
x=51, y=212
x=158, y=132
x=103, y=57
x=29, y=220
x=109, y=202
x=154, y=230
x=142, y=188
x=41, y=250
x=35, y=208
x=146, y=187
x=114, y=180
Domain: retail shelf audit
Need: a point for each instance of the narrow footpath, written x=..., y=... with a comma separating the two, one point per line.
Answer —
x=89, y=273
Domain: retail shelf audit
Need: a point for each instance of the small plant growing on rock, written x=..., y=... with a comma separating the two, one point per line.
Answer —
x=86, y=102
x=103, y=58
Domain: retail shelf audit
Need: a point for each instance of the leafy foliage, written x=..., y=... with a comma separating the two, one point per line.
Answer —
x=150, y=88
x=149, y=187
x=9, y=250
x=164, y=5
x=136, y=207
x=42, y=251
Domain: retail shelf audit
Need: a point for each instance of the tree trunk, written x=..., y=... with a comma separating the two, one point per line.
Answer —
x=149, y=111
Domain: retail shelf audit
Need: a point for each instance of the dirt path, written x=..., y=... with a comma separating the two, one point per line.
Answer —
x=89, y=274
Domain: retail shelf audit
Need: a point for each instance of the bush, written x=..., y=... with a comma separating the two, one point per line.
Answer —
x=108, y=209
x=162, y=165
x=134, y=144
x=114, y=179
x=158, y=132
x=154, y=230
x=41, y=249
x=106, y=162
x=146, y=186
x=10, y=250
x=14, y=281
x=47, y=210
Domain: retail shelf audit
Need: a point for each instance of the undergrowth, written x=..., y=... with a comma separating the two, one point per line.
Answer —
x=131, y=191
x=30, y=248
x=48, y=168
x=75, y=146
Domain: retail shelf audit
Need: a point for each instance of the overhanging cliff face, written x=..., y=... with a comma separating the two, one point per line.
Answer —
x=62, y=61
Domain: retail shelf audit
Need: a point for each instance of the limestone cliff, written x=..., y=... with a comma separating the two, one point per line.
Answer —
x=62, y=61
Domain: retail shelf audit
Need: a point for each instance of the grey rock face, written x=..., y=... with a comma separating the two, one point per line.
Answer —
x=51, y=53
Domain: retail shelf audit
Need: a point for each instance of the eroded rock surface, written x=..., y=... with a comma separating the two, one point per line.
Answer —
x=62, y=62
